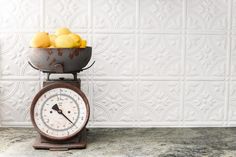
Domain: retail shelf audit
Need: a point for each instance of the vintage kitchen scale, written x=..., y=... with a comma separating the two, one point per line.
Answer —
x=60, y=111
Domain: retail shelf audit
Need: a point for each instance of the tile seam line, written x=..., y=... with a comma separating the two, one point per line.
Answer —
x=228, y=72
x=184, y=38
x=137, y=80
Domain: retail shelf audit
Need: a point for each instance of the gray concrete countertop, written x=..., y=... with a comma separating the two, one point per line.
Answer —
x=162, y=142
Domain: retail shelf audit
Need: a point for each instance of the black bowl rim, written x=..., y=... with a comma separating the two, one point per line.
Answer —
x=57, y=48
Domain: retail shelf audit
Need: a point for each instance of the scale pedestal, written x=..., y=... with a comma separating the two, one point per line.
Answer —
x=75, y=82
x=77, y=142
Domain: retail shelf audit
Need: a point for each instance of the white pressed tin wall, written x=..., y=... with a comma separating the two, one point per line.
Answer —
x=158, y=62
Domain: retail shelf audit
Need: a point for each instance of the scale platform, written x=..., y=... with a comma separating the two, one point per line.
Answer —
x=78, y=142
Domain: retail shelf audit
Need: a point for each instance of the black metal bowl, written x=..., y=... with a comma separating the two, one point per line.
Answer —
x=60, y=60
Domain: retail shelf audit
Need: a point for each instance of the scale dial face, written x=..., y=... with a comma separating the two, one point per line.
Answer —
x=60, y=111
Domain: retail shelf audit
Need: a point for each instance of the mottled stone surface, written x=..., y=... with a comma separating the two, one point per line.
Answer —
x=162, y=142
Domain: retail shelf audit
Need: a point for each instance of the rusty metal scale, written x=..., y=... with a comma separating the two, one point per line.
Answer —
x=60, y=110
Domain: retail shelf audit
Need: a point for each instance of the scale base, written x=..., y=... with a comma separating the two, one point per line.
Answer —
x=77, y=142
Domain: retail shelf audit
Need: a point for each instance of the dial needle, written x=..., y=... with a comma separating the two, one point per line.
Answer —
x=56, y=108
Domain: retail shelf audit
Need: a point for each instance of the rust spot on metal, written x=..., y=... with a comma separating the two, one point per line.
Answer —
x=58, y=68
x=49, y=51
x=71, y=55
x=74, y=53
x=53, y=61
x=59, y=52
x=77, y=52
x=39, y=66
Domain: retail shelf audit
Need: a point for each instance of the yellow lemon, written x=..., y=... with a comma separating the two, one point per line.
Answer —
x=83, y=44
x=76, y=45
x=64, y=41
x=52, y=39
x=62, y=31
x=40, y=40
x=75, y=37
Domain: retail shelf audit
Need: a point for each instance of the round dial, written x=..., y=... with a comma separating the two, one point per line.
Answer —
x=59, y=111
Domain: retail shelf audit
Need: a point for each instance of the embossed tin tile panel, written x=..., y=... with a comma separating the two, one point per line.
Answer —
x=232, y=102
x=234, y=15
x=161, y=15
x=207, y=15
x=112, y=59
x=116, y=14
x=206, y=55
x=159, y=101
x=13, y=55
x=73, y=14
x=160, y=55
x=204, y=101
x=158, y=62
x=16, y=97
x=233, y=56
x=114, y=101
x=19, y=15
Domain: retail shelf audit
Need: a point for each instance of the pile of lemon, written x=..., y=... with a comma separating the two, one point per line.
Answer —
x=63, y=38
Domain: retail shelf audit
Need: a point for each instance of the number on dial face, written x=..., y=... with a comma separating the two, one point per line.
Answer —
x=60, y=112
